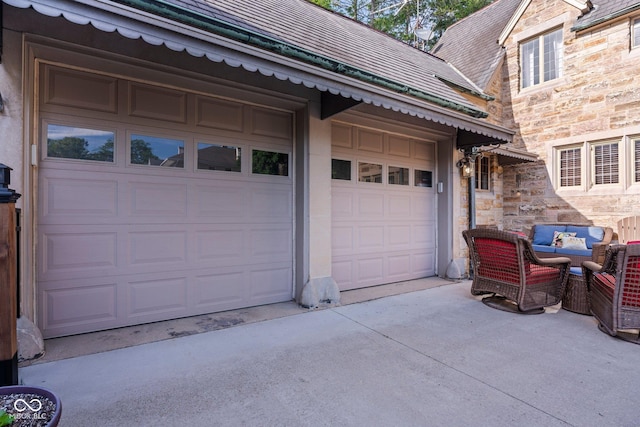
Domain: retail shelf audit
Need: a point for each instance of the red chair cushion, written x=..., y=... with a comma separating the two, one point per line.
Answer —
x=605, y=282
x=631, y=295
x=499, y=260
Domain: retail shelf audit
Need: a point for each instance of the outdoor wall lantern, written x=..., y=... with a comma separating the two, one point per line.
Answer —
x=467, y=164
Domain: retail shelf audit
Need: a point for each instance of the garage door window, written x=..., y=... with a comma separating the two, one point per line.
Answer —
x=219, y=157
x=270, y=163
x=157, y=151
x=369, y=172
x=70, y=142
x=398, y=175
x=341, y=169
x=423, y=178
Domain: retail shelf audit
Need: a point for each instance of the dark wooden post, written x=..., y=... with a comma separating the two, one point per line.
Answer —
x=8, y=281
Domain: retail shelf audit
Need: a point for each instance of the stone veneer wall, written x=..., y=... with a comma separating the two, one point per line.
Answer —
x=598, y=98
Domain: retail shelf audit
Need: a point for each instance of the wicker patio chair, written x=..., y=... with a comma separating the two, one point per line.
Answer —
x=614, y=291
x=505, y=265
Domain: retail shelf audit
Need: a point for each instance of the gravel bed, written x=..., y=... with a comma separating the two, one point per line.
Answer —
x=28, y=410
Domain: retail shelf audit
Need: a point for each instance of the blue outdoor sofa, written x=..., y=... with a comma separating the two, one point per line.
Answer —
x=577, y=242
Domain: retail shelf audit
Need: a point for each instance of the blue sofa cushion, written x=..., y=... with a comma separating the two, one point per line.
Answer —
x=544, y=248
x=581, y=252
x=576, y=270
x=544, y=234
x=591, y=234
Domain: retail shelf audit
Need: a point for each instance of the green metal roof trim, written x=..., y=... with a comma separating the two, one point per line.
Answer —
x=614, y=15
x=253, y=38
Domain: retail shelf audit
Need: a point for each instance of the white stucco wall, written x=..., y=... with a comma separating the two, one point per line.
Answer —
x=319, y=194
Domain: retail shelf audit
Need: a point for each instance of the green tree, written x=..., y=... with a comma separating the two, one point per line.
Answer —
x=324, y=3
x=401, y=18
x=444, y=13
x=142, y=153
x=104, y=153
x=68, y=148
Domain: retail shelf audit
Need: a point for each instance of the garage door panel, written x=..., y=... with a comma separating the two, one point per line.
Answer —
x=370, y=269
x=158, y=199
x=399, y=205
x=219, y=202
x=424, y=208
x=342, y=239
x=424, y=235
x=220, y=289
x=220, y=245
x=158, y=247
x=66, y=254
x=342, y=204
x=273, y=244
x=268, y=204
x=399, y=236
x=66, y=199
x=72, y=303
x=270, y=283
x=157, y=295
x=424, y=263
x=371, y=238
x=342, y=271
x=370, y=205
x=398, y=265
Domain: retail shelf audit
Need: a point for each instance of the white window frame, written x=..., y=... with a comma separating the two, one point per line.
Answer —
x=537, y=67
x=579, y=176
x=634, y=163
x=635, y=33
x=611, y=175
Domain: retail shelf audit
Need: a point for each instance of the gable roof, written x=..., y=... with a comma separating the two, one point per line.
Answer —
x=292, y=40
x=478, y=56
x=582, y=5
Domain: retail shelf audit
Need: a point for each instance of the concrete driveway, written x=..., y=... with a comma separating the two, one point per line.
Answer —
x=436, y=357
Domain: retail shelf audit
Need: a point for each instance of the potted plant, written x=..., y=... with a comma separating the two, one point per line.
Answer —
x=26, y=406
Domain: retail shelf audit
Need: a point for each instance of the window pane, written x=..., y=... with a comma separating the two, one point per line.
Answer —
x=637, y=159
x=270, y=163
x=369, y=172
x=218, y=157
x=341, y=169
x=530, y=63
x=570, y=167
x=157, y=151
x=423, y=178
x=482, y=173
x=606, y=163
x=69, y=142
x=398, y=175
x=636, y=33
x=552, y=55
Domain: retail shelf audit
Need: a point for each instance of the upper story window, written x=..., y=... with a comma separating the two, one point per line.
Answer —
x=635, y=33
x=541, y=58
x=482, y=173
x=605, y=163
x=570, y=167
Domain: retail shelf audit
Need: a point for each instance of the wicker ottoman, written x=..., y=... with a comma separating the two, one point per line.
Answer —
x=575, y=294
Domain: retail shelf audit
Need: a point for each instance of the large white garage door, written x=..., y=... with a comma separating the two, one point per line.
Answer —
x=155, y=203
x=383, y=207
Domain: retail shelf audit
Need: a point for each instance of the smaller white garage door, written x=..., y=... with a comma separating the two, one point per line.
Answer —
x=383, y=207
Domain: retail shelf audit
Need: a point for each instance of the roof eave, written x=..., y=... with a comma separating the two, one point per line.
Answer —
x=217, y=26
x=612, y=16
